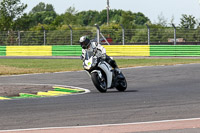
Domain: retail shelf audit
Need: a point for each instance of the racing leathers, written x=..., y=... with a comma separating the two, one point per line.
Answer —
x=97, y=49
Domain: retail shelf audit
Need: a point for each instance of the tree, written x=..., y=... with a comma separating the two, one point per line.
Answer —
x=86, y=18
x=59, y=20
x=23, y=23
x=41, y=7
x=128, y=19
x=140, y=18
x=103, y=17
x=44, y=17
x=132, y=20
x=70, y=16
x=10, y=10
x=43, y=14
x=115, y=16
x=188, y=22
x=162, y=21
x=50, y=8
x=72, y=10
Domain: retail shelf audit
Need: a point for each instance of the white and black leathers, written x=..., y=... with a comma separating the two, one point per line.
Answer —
x=94, y=49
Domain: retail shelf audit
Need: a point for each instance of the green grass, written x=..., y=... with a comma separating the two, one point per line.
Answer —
x=25, y=66
x=154, y=62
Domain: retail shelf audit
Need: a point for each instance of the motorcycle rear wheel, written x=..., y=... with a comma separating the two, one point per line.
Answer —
x=122, y=84
x=99, y=83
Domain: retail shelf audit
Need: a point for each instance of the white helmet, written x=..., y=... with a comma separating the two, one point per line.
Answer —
x=85, y=42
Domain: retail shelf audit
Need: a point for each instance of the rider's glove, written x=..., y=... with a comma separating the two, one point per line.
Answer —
x=81, y=57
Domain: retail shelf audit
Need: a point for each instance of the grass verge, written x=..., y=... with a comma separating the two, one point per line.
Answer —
x=27, y=66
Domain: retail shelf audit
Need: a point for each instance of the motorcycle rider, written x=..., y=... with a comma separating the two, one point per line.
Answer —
x=96, y=49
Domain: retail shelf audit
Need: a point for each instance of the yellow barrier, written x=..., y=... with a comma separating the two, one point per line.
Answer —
x=29, y=51
x=112, y=50
x=127, y=50
x=4, y=98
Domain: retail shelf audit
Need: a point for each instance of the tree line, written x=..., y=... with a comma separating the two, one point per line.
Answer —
x=13, y=18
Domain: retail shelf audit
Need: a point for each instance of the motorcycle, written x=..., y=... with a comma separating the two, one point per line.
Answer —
x=103, y=75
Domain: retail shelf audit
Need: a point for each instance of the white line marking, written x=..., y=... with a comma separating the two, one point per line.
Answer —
x=105, y=125
x=73, y=87
x=38, y=73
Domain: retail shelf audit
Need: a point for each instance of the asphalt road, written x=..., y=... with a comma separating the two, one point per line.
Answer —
x=153, y=94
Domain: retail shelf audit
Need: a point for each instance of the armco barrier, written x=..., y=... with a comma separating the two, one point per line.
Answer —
x=175, y=50
x=66, y=50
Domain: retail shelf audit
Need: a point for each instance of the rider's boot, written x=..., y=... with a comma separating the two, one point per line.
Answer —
x=118, y=73
x=117, y=70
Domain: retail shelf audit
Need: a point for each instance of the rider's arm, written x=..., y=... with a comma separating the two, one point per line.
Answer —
x=83, y=54
x=103, y=51
x=101, y=48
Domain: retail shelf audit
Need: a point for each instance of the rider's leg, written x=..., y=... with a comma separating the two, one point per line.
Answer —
x=113, y=64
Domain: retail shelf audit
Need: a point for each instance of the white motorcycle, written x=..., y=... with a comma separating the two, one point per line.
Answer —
x=103, y=75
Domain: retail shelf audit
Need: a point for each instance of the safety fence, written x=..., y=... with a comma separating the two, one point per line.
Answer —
x=118, y=36
x=112, y=50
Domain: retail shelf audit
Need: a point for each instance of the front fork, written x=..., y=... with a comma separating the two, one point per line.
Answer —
x=99, y=73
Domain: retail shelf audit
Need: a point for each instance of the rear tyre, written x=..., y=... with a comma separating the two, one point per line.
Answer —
x=122, y=84
x=99, y=83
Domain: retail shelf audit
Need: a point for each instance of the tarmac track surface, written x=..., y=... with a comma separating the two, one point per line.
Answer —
x=154, y=94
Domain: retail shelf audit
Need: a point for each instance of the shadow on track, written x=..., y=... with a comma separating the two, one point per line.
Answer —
x=115, y=91
x=127, y=91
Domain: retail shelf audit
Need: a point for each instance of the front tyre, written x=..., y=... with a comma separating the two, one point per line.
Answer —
x=122, y=84
x=99, y=83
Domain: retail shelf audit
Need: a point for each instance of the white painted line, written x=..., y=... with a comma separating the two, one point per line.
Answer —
x=105, y=125
x=73, y=87
x=38, y=74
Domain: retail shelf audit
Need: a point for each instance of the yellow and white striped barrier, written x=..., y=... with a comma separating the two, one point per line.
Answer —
x=29, y=51
x=128, y=50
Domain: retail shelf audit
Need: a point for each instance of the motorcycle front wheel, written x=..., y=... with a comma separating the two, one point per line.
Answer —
x=99, y=83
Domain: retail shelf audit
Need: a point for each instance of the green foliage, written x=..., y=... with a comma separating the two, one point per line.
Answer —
x=127, y=20
x=45, y=26
x=132, y=20
x=23, y=23
x=86, y=18
x=138, y=36
x=69, y=18
x=58, y=21
x=9, y=11
x=72, y=10
x=43, y=15
x=188, y=22
x=113, y=31
x=140, y=18
x=42, y=7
